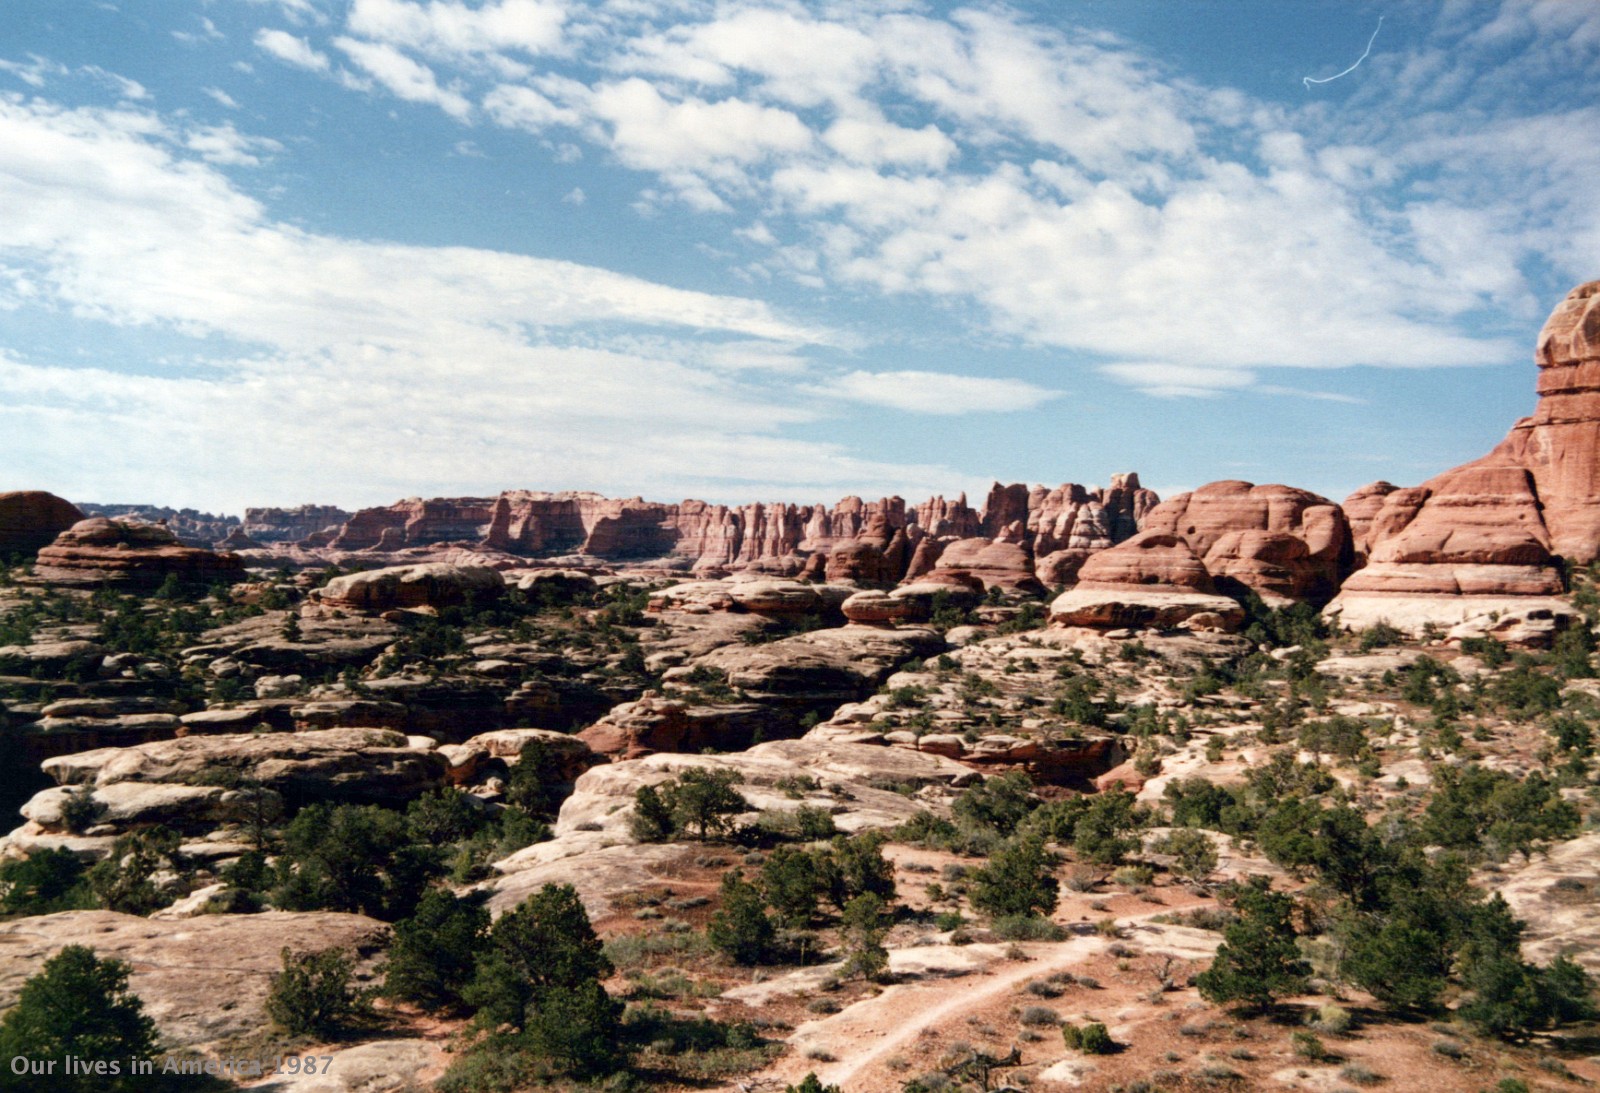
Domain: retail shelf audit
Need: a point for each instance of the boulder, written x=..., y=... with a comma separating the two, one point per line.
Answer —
x=434, y=585
x=346, y=765
x=31, y=519
x=1152, y=580
x=872, y=607
x=654, y=724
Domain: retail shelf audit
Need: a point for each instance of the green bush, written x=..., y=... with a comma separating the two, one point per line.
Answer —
x=78, y=1006
x=312, y=995
x=433, y=955
x=698, y=803
x=125, y=880
x=46, y=881
x=1027, y=928
x=740, y=928
x=1019, y=879
x=354, y=858
x=1091, y=1039
x=1257, y=960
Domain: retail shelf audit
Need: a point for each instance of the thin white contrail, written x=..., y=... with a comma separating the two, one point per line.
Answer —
x=1309, y=80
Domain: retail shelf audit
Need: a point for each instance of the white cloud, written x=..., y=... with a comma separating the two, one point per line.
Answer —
x=876, y=141
x=399, y=367
x=405, y=78
x=1179, y=380
x=291, y=50
x=446, y=29
x=130, y=90
x=221, y=97
x=227, y=147
x=574, y=196
x=650, y=133
x=524, y=108
x=936, y=392
x=208, y=32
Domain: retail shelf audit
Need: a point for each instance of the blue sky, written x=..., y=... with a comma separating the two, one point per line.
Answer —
x=277, y=251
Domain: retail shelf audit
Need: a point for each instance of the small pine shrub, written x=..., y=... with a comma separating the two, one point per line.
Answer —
x=1091, y=1039
x=312, y=994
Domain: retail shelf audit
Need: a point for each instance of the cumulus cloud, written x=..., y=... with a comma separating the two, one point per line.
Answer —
x=331, y=360
x=403, y=77
x=291, y=50
x=447, y=29
x=1082, y=196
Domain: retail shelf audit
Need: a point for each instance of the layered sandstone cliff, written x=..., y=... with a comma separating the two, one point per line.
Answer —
x=1486, y=538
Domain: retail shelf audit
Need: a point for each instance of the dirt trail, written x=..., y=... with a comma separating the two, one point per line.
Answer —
x=875, y=1029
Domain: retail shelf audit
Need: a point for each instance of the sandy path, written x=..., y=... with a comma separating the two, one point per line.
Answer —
x=875, y=1029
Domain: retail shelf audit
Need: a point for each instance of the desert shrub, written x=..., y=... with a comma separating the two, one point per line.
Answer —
x=536, y=780
x=1307, y=1046
x=78, y=1006
x=44, y=882
x=1257, y=960
x=1091, y=1039
x=79, y=810
x=862, y=927
x=126, y=880
x=741, y=929
x=1472, y=805
x=811, y=1084
x=698, y=803
x=443, y=816
x=1001, y=802
x=434, y=952
x=1039, y=1016
x=1194, y=854
x=859, y=868
x=1334, y=1019
x=1379, y=636
x=312, y=995
x=1019, y=880
x=354, y=858
x=1026, y=928
x=792, y=881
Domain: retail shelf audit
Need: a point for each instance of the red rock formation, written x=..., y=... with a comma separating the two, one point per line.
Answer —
x=1275, y=540
x=876, y=542
x=30, y=519
x=103, y=551
x=1151, y=580
x=1151, y=559
x=1476, y=538
x=1560, y=443
x=997, y=563
x=1361, y=511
